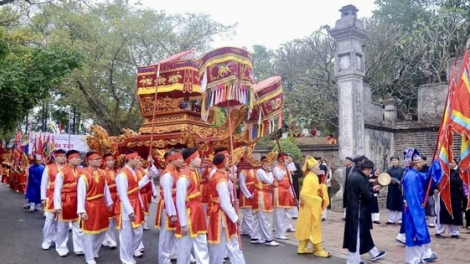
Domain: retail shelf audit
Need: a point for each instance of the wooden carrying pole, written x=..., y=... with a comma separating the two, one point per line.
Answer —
x=230, y=130
x=154, y=109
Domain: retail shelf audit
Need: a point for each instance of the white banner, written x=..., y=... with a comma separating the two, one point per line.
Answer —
x=62, y=141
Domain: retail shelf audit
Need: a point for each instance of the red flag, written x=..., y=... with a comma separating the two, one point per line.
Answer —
x=444, y=144
x=460, y=111
x=445, y=157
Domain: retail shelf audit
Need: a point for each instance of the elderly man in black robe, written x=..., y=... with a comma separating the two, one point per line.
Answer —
x=394, y=195
x=357, y=237
x=445, y=220
x=349, y=164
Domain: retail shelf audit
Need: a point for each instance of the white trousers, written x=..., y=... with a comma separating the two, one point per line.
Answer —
x=355, y=257
x=454, y=230
x=92, y=244
x=110, y=237
x=262, y=227
x=394, y=216
x=49, y=231
x=280, y=222
x=129, y=240
x=248, y=221
x=325, y=213
x=197, y=244
x=217, y=251
x=166, y=242
x=288, y=219
x=432, y=220
x=63, y=237
x=414, y=255
x=294, y=212
x=375, y=216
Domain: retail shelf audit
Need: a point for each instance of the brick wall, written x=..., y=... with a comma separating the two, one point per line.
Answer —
x=424, y=139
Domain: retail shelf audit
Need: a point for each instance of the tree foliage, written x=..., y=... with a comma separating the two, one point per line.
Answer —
x=288, y=146
x=27, y=73
x=115, y=38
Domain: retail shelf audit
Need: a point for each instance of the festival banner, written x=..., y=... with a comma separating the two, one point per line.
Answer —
x=62, y=141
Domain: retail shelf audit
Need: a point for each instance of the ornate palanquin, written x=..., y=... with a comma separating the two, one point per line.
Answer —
x=178, y=88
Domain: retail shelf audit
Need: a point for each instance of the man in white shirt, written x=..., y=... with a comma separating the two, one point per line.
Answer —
x=166, y=209
x=223, y=220
x=263, y=206
x=131, y=216
x=49, y=231
x=93, y=204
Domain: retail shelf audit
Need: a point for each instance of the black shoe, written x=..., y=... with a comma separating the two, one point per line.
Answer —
x=431, y=259
x=323, y=219
x=455, y=236
x=438, y=235
x=389, y=223
x=379, y=256
x=377, y=222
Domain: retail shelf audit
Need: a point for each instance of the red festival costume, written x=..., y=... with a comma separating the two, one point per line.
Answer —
x=133, y=194
x=69, y=193
x=95, y=204
x=196, y=218
x=173, y=171
x=217, y=215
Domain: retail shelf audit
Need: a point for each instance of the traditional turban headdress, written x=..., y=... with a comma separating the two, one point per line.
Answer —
x=309, y=162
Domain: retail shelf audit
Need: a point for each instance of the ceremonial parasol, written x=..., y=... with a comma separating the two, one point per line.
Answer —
x=267, y=107
x=227, y=81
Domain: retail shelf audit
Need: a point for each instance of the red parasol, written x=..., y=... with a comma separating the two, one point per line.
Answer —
x=227, y=81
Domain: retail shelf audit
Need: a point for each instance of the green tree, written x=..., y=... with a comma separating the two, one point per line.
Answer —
x=262, y=62
x=116, y=38
x=27, y=74
x=306, y=67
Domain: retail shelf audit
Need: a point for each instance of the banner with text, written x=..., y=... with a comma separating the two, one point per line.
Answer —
x=62, y=141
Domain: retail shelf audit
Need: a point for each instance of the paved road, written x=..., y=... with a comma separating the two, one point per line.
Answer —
x=21, y=235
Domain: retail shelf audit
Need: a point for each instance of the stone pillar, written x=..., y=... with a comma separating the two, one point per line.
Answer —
x=390, y=109
x=349, y=34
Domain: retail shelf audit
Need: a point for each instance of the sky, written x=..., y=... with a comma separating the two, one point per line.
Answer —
x=264, y=22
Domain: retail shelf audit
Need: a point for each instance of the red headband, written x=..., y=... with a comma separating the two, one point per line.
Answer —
x=74, y=155
x=224, y=152
x=174, y=157
x=222, y=164
x=190, y=158
x=132, y=155
x=108, y=158
x=58, y=155
x=93, y=157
